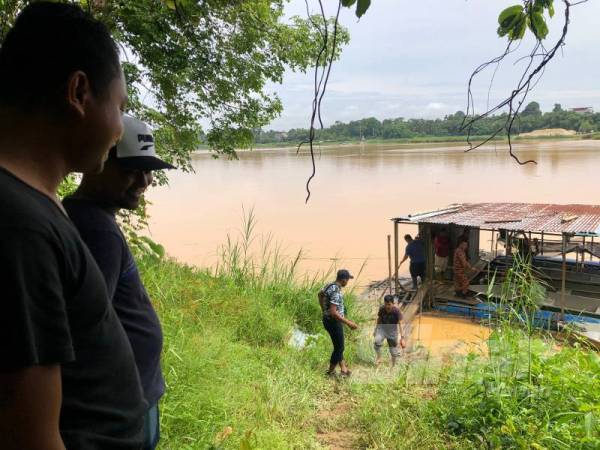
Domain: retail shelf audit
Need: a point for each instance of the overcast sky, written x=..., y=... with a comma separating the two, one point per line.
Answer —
x=413, y=59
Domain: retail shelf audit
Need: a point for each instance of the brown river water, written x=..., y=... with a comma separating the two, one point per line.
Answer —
x=356, y=191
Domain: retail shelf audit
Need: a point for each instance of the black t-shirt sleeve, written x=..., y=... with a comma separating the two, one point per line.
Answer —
x=107, y=249
x=34, y=328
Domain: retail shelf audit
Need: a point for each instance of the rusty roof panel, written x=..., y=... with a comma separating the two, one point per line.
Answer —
x=535, y=217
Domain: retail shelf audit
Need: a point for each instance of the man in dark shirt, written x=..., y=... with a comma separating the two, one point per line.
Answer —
x=415, y=250
x=388, y=327
x=67, y=371
x=126, y=175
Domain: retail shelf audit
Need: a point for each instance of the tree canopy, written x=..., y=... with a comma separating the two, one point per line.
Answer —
x=190, y=62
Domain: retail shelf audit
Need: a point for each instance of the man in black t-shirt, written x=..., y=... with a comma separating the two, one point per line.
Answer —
x=67, y=373
x=126, y=175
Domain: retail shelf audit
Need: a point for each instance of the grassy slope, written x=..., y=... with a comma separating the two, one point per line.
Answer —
x=227, y=365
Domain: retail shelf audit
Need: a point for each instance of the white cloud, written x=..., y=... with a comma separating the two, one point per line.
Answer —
x=413, y=59
x=435, y=105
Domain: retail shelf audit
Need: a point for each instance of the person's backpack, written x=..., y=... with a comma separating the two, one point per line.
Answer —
x=324, y=298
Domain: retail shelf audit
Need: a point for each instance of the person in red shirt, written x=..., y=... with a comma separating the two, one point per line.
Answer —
x=441, y=244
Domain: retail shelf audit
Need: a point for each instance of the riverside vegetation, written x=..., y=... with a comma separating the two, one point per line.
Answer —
x=450, y=128
x=235, y=383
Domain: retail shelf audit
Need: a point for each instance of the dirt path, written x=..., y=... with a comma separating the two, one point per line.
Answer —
x=333, y=418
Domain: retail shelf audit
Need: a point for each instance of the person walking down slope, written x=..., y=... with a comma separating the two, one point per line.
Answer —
x=415, y=250
x=332, y=305
x=389, y=327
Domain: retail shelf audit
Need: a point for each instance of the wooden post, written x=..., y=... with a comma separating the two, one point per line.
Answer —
x=492, y=246
x=592, y=249
x=396, y=258
x=583, y=256
x=542, y=249
x=564, y=277
x=389, y=244
x=496, y=247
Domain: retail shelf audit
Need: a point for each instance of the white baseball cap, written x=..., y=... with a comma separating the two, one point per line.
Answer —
x=136, y=150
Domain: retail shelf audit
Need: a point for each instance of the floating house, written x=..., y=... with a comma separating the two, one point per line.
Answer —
x=562, y=241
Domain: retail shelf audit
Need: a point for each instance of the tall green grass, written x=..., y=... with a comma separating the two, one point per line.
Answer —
x=233, y=382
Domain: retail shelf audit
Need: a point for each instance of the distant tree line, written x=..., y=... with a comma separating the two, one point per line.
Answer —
x=532, y=118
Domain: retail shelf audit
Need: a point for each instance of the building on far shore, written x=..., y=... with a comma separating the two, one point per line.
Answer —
x=583, y=110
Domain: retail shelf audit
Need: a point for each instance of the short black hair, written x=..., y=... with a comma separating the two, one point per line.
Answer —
x=47, y=43
x=389, y=298
x=408, y=237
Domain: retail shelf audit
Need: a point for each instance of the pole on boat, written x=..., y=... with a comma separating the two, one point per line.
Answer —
x=496, y=247
x=564, y=277
x=389, y=244
x=542, y=249
x=592, y=249
x=583, y=256
x=396, y=281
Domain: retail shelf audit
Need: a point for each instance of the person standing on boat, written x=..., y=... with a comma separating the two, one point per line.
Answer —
x=332, y=305
x=388, y=327
x=461, y=265
x=441, y=244
x=415, y=250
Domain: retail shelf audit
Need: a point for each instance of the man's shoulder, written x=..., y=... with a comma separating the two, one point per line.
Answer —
x=331, y=288
x=24, y=208
x=88, y=216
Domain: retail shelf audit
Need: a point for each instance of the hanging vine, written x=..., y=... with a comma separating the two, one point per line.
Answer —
x=514, y=22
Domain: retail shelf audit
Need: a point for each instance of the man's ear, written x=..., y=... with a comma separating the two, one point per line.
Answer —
x=79, y=92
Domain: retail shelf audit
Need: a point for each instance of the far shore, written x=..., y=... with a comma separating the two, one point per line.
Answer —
x=412, y=142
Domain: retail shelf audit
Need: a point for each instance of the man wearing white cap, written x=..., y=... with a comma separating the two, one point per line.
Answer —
x=92, y=208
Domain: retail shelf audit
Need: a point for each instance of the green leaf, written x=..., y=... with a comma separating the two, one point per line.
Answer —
x=361, y=7
x=510, y=13
x=589, y=425
x=518, y=30
x=538, y=25
x=348, y=3
x=551, y=10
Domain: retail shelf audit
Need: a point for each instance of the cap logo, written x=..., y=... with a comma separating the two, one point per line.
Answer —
x=146, y=138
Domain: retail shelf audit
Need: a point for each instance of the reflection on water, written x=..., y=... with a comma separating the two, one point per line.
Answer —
x=356, y=191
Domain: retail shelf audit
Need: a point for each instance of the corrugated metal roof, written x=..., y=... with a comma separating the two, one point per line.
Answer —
x=535, y=217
